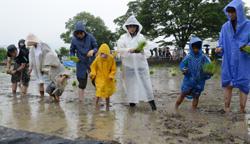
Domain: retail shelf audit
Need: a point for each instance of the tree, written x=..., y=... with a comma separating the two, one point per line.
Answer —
x=183, y=18
x=133, y=8
x=63, y=51
x=94, y=25
x=178, y=18
x=143, y=11
x=3, y=54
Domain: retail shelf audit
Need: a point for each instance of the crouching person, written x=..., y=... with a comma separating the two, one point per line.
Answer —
x=57, y=75
x=20, y=71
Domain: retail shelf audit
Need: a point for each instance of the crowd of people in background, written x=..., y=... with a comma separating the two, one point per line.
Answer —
x=177, y=54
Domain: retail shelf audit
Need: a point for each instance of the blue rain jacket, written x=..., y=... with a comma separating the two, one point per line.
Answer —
x=80, y=48
x=194, y=79
x=235, y=64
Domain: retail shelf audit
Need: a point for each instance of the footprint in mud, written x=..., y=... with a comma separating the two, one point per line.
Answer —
x=177, y=126
x=217, y=137
x=214, y=109
x=71, y=100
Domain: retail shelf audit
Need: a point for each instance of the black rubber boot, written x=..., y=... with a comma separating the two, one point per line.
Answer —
x=152, y=104
x=132, y=104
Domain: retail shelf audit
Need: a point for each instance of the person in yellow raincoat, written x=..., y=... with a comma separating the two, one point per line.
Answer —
x=103, y=71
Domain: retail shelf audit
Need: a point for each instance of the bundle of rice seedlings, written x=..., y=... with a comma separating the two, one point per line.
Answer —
x=140, y=47
x=74, y=83
x=74, y=70
x=74, y=59
x=209, y=68
x=173, y=72
x=67, y=68
x=246, y=49
x=115, y=53
x=151, y=72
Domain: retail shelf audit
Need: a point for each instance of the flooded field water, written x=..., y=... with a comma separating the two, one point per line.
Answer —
x=71, y=119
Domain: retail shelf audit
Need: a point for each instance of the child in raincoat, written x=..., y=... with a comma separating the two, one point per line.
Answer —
x=194, y=77
x=57, y=75
x=103, y=71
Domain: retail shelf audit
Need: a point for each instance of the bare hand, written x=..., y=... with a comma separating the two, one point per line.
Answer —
x=218, y=50
x=8, y=71
x=62, y=79
x=91, y=53
x=13, y=72
x=30, y=70
x=131, y=50
x=92, y=77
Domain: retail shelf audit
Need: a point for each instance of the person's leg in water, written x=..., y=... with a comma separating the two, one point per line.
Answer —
x=25, y=79
x=195, y=103
x=228, y=96
x=147, y=86
x=129, y=75
x=57, y=98
x=14, y=88
x=81, y=87
x=243, y=101
x=24, y=90
x=41, y=89
x=180, y=100
x=81, y=94
x=97, y=103
x=107, y=104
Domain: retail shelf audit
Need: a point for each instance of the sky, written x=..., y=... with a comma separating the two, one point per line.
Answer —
x=46, y=18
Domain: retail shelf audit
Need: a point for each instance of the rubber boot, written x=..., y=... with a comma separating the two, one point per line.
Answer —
x=152, y=104
x=132, y=104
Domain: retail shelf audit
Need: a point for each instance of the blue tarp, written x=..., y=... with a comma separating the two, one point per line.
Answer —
x=69, y=64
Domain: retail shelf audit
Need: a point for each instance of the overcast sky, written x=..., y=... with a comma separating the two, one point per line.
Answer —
x=46, y=18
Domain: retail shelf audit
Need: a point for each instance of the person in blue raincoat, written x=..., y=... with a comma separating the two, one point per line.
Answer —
x=235, y=34
x=194, y=77
x=84, y=46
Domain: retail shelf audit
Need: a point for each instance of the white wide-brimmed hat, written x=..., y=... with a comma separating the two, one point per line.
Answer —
x=31, y=38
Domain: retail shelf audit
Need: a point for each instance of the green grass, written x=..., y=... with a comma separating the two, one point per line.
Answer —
x=151, y=72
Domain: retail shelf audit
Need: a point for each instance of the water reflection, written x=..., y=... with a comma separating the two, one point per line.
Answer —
x=71, y=119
